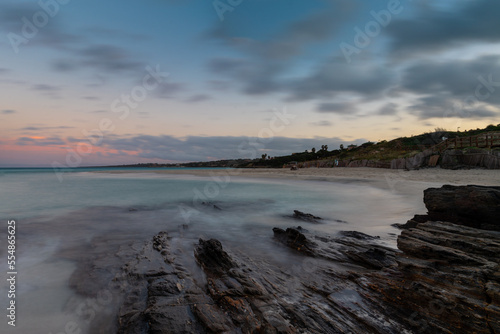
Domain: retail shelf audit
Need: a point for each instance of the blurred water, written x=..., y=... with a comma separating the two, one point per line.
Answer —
x=56, y=221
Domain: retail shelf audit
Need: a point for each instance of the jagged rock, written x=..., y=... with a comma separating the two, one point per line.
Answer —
x=215, y=206
x=473, y=206
x=447, y=281
x=294, y=239
x=411, y=223
x=212, y=257
x=445, y=278
x=305, y=216
x=358, y=235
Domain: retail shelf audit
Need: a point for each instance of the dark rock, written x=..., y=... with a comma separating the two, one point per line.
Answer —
x=212, y=258
x=473, y=206
x=294, y=239
x=358, y=235
x=448, y=279
x=305, y=216
x=445, y=278
x=417, y=219
x=212, y=205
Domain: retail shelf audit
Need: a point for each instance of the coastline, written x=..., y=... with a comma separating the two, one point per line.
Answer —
x=406, y=183
x=432, y=175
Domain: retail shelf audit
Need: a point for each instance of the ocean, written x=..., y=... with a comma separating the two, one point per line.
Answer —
x=61, y=223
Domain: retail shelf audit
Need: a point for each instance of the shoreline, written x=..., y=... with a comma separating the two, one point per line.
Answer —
x=432, y=175
x=407, y=183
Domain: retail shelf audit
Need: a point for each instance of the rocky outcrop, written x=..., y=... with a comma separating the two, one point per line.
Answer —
x=445, y=278
x=473, y=206
x=310, y=218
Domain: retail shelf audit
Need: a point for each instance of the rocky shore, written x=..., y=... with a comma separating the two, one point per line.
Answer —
x=443, y=278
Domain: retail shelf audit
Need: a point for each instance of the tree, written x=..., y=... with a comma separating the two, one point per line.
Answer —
x=313, y=150
x=341, y=147
x=264, y=156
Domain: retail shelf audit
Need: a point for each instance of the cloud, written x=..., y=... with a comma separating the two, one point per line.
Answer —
x=43, y=128
x=388, y=109
x=168, y=90
x=457, y=77
x=51, y=141
x=337, y=108
x=321, y=123
x=52, y=35
x=198, y=98
x=109, y=58
x=464, y=88
x=265, y=62
x=436, y=29
x=333, y=78
x=105, y=58
x=8, y=111
x=199, y=148
x=45, y=87
x=444, y=106
x=48, y=90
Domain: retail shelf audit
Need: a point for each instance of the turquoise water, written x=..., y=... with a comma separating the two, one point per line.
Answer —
x=55, y=218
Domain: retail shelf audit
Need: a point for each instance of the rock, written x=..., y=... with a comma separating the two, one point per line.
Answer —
x=358, y=235
x=293, y=238
x=347, y=249
x=212, y=258
x=417, y=219
x=398, y=163
x=473, y=206
x=419, y=160
x=447, y=280
x=305, y=216
x=212, y=205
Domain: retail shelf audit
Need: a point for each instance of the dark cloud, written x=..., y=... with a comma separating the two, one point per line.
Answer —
x=457, y=77
x=51, y=141
x=219, y=84
x=45, y=88
x=168, y=90
x=335, y=77
x=321, y=123
x=388, y=109
x=443, y=106
x=198, y=148
x=460, y=88
x=43, y=128
x=8, y=111
x=110, y=58
x=198, y=98
x=266, y=61
x=435, y=29
x=51, y=35
x=341, y=108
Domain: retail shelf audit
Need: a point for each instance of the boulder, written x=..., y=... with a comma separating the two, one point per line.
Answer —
x=306, y=216
x=473, y=206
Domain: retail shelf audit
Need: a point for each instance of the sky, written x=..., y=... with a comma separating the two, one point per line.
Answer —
x=89, y=83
